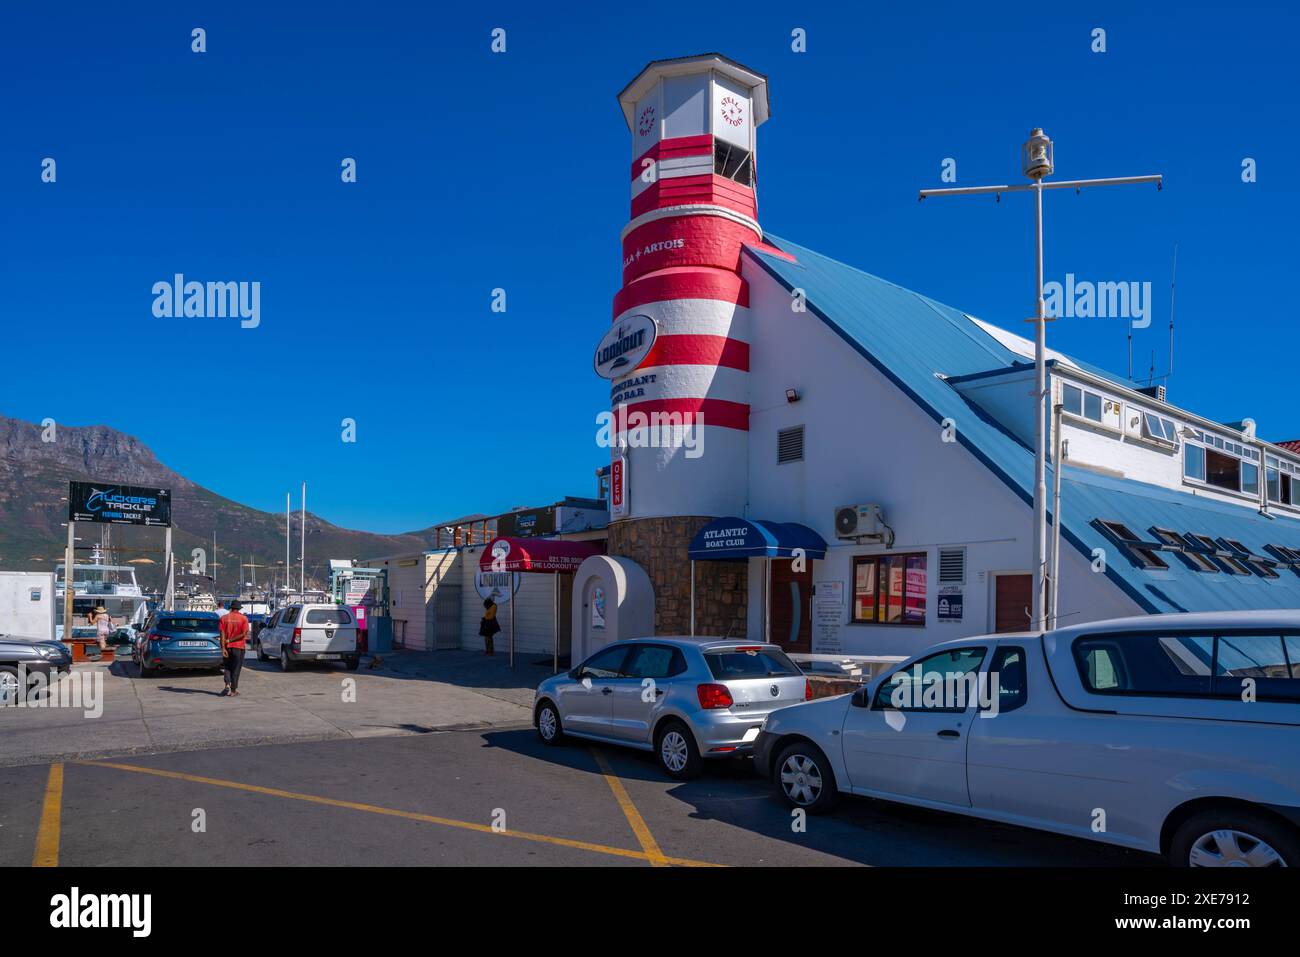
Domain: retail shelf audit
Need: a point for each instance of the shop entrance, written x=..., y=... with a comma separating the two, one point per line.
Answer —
x=792, y=607
x=1012, y=596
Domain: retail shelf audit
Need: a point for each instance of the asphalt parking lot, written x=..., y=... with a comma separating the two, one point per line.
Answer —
x=472, y=797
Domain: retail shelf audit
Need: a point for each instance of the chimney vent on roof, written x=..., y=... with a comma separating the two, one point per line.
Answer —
x=1156, y=392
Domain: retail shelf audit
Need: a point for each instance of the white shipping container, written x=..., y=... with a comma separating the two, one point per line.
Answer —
x=27, y=604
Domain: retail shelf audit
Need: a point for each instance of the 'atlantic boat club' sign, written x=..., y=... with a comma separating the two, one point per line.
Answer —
x=119, y=504
x=625, y=346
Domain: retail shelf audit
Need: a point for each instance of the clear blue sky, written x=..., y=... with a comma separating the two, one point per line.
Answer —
x=479, y=171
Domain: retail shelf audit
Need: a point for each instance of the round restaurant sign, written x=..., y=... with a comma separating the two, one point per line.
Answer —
x=625, y=346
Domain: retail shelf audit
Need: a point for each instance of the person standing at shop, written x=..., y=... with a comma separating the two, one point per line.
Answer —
x=488, y=625
x=234, y=633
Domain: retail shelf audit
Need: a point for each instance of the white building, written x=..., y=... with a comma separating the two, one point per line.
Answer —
x=857, y=392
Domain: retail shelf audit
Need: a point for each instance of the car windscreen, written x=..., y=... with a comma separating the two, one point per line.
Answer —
x=736, y=663
x=187, y=625
x=329, y=616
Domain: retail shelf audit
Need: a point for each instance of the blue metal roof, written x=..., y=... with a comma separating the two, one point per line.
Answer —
x=913, y=340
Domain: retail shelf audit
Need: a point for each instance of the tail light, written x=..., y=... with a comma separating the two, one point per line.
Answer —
x=297, y=637
x=714, y=696
x=807, y=689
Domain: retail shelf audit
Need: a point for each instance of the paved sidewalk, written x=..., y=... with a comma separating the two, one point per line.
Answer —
x=402, y=693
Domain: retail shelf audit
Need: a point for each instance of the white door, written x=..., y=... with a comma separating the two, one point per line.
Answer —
x=911, y=742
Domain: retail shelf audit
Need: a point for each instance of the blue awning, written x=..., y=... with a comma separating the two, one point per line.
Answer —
x=733, y=538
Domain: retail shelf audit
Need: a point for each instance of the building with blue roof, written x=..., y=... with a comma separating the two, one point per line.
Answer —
x=810, y=454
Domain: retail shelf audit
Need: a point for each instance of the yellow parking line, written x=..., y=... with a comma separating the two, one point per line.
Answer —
x=47, y=835
x=634, y=818
x=394, y=812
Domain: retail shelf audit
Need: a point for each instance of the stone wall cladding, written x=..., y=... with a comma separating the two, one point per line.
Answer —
x=660, y=546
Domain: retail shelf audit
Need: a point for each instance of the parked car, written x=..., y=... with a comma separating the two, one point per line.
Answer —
x=1174, y=734
x=309, y=632
x=178, y=639
x=685, y=699
x=47, y=658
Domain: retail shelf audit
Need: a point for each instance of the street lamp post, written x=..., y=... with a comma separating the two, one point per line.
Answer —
x=1037, y=163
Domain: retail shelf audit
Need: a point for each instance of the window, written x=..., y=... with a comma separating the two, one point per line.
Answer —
x=1072, y=399
x=1222, y=471
x=274, y=620
x=1261, y=658
x=654, y=661
x=1012, y=679
x=1256, y=563
x=1207, y=545
x=1158, y=429
x=1194, y=462
x=329, y=616
x=940, y=682
x=291, y=614
x=1145, y=663
x=1280, y=487
x=889, y=589
x=606, y=663
x=733, y=162
x=736, y=663
x=1092, y=406
x=1191, y=665
x=1137, y=551
x=1192, y=559
x=789, y=445
x=1250, y=478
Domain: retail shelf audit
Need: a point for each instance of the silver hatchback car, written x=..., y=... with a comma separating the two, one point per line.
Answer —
x=686, y=699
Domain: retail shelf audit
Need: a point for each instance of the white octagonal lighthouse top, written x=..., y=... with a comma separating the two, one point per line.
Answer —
x=645, y=81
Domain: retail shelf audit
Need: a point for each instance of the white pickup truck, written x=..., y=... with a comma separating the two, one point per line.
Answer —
x=1174, y=734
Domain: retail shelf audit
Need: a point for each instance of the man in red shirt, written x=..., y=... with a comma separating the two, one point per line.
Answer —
x=234, y=632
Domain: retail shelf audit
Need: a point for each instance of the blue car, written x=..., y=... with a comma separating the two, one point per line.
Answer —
x=178, y=639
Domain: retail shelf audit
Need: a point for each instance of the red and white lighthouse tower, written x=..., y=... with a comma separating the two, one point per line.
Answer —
x=679, y=343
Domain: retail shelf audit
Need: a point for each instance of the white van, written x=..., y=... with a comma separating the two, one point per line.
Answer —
x=1174, y=734
x=310, y=632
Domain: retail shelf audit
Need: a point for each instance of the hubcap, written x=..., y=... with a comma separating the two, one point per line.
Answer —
x=1232, y=848
x=673, y=751
x=801, y=779
x=546, y=723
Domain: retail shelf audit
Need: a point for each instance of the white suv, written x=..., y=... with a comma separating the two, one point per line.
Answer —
x=310, y=632
x=1175, y=734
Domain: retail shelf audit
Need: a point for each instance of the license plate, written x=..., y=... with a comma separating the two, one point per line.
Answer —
x=191, y=644
x=329, y=657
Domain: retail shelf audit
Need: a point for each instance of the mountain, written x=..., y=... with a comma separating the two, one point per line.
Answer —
x=34, y=476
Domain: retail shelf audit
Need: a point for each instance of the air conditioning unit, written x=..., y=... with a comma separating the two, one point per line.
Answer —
x=858, y=521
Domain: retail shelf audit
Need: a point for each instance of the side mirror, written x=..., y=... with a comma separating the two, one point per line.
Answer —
x=862, y=698
x=575, y=674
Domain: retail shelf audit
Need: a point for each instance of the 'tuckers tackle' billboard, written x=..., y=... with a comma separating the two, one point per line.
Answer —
x=119, y=504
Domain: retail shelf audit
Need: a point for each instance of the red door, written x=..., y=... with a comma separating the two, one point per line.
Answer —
x=791, y=607
x=1013, y=598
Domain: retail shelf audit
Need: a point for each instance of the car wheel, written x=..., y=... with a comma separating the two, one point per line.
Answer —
x=261, y=653
x=549, y=726
x=1234, y=838
x=145, y=670
x=10, y=686
x=804, y=778
x=353, y=663
x=285, y=663
x=678, y=754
